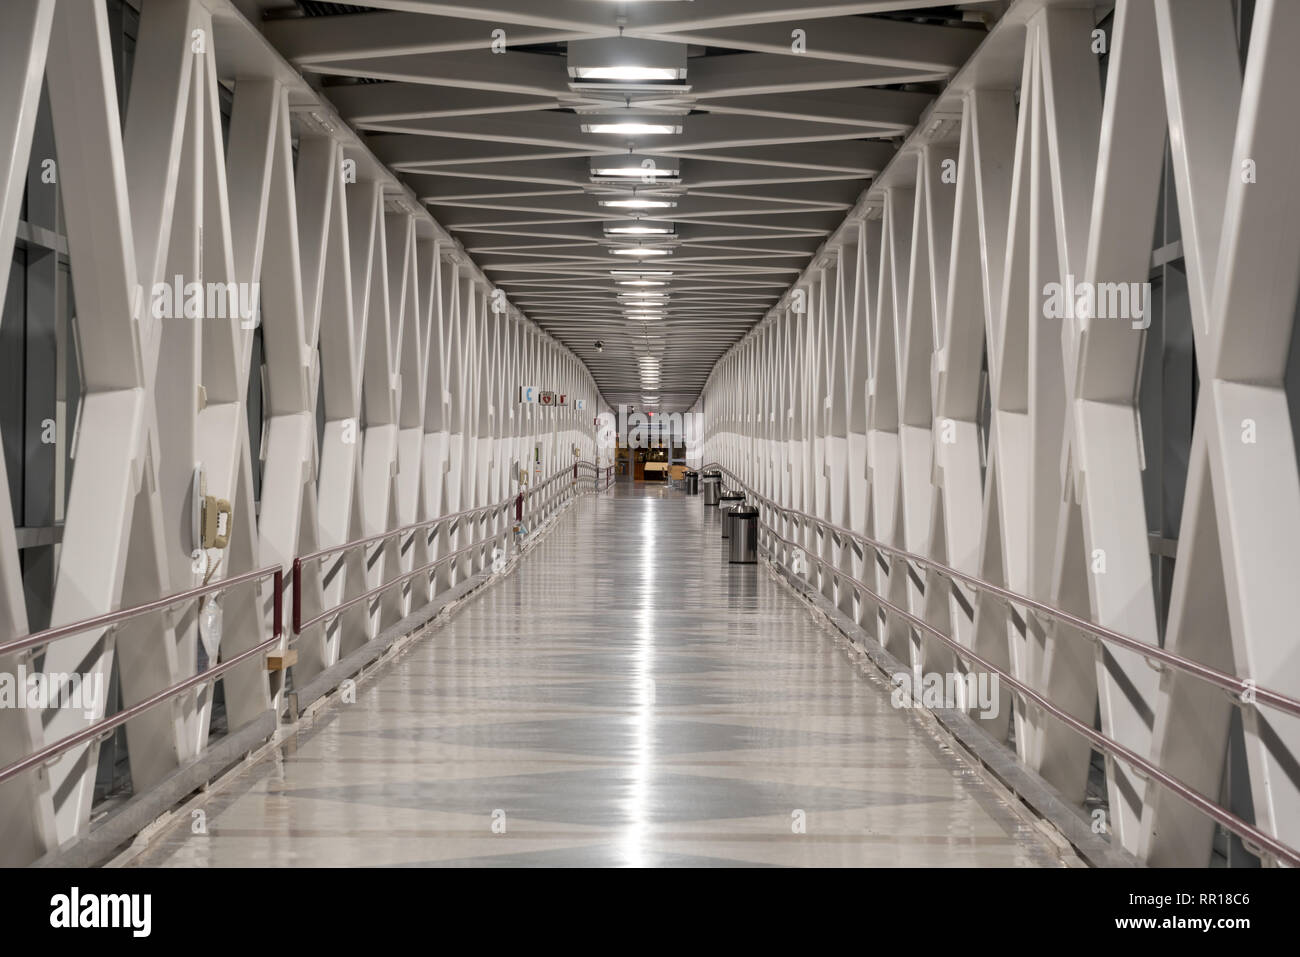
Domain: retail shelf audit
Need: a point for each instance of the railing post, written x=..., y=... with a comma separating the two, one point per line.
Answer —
x=277, y=616
x=297, y=599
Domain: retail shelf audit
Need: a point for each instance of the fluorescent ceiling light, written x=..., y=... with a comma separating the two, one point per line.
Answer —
x=642, y=251
x=625, y=74
x=632, y=129
x=626, y=59
x=640, y=126
x=634, y=172
x=639, y=230
x=638, y=203
x=641, y=282
x=638, y=273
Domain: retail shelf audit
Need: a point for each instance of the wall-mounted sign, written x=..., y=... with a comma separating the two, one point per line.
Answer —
x=530, y=394
x=579, y=404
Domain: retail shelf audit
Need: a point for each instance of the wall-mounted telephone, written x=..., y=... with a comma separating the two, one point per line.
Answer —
x=212, y=515
x=216, y=522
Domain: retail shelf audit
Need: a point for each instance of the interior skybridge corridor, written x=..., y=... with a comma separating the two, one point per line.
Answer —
x=377, y=380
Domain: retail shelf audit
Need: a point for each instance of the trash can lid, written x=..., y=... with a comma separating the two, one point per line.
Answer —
x=744, y=511
x=712, y=473
x=689, y=473
x=733, y=495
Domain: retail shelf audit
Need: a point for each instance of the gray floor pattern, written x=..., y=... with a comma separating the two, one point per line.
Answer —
x=623, y=698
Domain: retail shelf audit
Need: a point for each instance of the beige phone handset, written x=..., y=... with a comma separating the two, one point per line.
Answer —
x=213, y=518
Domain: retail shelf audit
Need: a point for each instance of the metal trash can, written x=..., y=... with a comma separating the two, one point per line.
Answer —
x=712, y=486
x=742, y=549
x=691, y=482
x=728, y=501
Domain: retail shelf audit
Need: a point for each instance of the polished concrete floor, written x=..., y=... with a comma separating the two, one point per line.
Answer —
x=624, y=697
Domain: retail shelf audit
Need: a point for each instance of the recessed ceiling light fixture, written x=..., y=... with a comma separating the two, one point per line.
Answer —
x=626, y=60
x=638, y=230
x=632, y=166
x=641, y=282
x=638, y=203
x=631, y=125
x=630, y=73
x=642, y=251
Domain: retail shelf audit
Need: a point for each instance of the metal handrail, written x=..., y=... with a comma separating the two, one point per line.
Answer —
x=427, y=523
x=300, y=625
x=105, y=725
x=598, y=473
x=1230, y=683
x=1255, y=838
x=38, y=638
x=400, y=530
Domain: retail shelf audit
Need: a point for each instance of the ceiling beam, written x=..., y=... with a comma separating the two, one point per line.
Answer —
x=876, y=41
x=361, y=103
x=314, y=40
